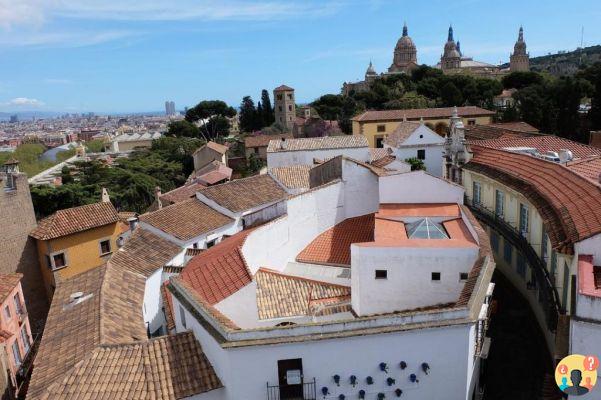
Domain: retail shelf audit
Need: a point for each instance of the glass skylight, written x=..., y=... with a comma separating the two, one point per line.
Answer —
x=426, y=229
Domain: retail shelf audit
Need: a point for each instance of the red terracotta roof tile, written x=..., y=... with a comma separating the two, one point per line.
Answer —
x=333, y=247
x=589, y=167
x=417, y=113
x=77, y=219
x=263, y=140
x=569, y=204
x=219, y=271
x=543, y=143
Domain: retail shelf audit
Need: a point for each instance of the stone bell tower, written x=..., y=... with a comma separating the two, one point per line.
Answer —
x=285, y=106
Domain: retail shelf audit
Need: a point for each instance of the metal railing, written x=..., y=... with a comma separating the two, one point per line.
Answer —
x=303, y=391
x=549, y=296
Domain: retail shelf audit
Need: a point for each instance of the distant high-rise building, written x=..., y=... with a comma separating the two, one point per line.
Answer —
x=170, y=108
x=520, y=59
x=285, y=108
x=14, y=119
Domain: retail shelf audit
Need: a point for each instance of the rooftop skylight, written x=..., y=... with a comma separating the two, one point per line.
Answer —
x=426, y=229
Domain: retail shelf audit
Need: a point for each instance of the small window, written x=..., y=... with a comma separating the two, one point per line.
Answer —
x=105, y=247
x=17, y=353
x=289, y=96
x=379, y=142
x=25, y=338
x=289, y=108
x=7, y=312
x=18, y=304
x=211, y=243
x=195, y=245
x=58, y=260
x=279, y=97
x=381, y=128
x=436, y=276
x=381, y=274
x=182, y=316
x=477, y=191
x=471, y=122
x=507, y=252
x=463, y=276
x=421, y=136
x=421, y=154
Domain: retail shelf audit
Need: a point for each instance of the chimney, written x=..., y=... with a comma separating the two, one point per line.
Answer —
x=133, y=223
x=157, y=197
x=283, y=143
x=105, y=198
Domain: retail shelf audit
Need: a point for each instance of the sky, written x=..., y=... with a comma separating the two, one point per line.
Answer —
x=119, y=56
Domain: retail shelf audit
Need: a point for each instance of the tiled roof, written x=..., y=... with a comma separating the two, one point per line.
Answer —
x=543, y=143
x=73, y=220
x=144, y=253
x=417, y=113
x=193, y=252
x=378, y=153
x=595, y=139
x=168, y=306
x=220, y=148
x=318, y=143
x=263, y=140
x=109, y=312
x=293, y=176
x=210, y=174
x=125, y=215
x=280, y=295
x=333, y=247
x=589, y=167
x=485, y=132
x=282, y=88
x=8, y=283
x=219, y=271
x=244, y=194
x=187, y=219
x=518, y=126
x=401, y=133
x=569, y=204
x=181, y=193
x=383, y=162
x=168, y=367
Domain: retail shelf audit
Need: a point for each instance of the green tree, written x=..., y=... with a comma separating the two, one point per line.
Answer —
x=268, y=117
x=214, y=112
x=593, y=75
x=183, y=128
x=95, y=146
x=416, y=163
x=520, y=80
x=450, y=95
x=248, y=115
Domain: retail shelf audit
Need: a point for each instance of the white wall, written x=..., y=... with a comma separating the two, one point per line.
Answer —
x=153, y=315
x=361, y=194
x=585, y=339
x=409, y=283
x=432, y=162
x=245, y=371
x=418, y=187
x=306, y=157
x=265, y=214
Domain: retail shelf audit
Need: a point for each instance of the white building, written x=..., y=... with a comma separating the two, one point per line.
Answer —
x=365, y=285
x=416, y=140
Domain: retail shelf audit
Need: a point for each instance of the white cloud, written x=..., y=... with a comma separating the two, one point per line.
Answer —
x=24, y=102
x=65, y=39
x=35, y=12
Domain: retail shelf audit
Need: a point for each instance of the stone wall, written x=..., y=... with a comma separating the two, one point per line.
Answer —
x=18, y=250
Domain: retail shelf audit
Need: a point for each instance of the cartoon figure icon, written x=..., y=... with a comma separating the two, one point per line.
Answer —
x=564, y=383
x=576, y=389
x=576, y=374
x=588, y=384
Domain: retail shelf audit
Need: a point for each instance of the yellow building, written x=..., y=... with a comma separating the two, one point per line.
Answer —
x=75, y=240
x=376, y=125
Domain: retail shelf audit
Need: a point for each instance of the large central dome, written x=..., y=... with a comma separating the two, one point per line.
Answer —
x=405, y=54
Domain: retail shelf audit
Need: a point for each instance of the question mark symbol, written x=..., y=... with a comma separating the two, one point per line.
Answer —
x=563, y=369
x=591, y=363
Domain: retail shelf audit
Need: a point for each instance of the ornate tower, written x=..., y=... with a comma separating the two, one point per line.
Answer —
x=451, y=58
x=285, y=108
x=405, y=54
x=370, y=74
x=520, y=59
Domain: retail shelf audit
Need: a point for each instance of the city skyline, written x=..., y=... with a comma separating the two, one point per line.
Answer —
x=119, y=57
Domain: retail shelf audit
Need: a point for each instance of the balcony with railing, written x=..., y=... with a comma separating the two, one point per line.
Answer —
x=549, y=297
x=302, y=391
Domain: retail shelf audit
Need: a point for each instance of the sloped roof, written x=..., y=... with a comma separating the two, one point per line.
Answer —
x=168, y=367
x=517, y=126
x=185, y=192
x=417, y=113
x=333, y=247
x=318, y=143
x=144, y=253
x=543, y=143
x=8, y=283
x=77, y=219
x=244, y=194
x=280, y=295
x=401, y=133
x=293, y=176
x=485, y=132
x=109, y=312
x=263, y=140
x=187, y=219
x=220, y=148
x=282, y=88
x=569, y=204
x=219, y=271
x=589, y=168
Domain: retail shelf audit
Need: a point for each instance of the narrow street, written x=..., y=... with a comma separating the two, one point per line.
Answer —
x=518, y=359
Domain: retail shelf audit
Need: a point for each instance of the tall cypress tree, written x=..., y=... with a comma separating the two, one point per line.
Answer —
x=259, y=116
x=248, y=114
x=268, y=117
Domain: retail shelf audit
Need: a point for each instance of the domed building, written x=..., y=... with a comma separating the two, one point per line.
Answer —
x=405, y=54
x=451, y=57
x=520, y=59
